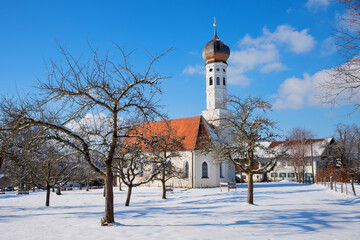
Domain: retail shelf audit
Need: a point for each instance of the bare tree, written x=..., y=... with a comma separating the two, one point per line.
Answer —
x=99, y=87
x=242, y=136
x=165, y=146
x=83, y=174
x=299, y=146
x=34, y=160
x=344, y=161
x=344, y=81
x=346, y=147
x=135, y=167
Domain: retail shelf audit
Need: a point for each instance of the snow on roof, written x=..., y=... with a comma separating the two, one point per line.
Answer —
x=318, y=146
x=260, y=152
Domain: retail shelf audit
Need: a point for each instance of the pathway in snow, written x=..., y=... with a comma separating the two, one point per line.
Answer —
x=281, y=211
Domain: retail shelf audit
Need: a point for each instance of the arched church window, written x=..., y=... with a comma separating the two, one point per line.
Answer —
x=224, y=82
x=186, y=169
x=204, y=170
x=224, y=70
x=210, y=70
x=218, y=69
x=210, y=81
x=217, y=81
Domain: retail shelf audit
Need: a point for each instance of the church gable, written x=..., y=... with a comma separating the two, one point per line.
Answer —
x=203, y=137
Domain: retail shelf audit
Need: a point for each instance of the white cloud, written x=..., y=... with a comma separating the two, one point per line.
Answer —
x=274, y=66
x=264, y=52
x=191, y=70
x=298, y=42
x=315, y=5
x=194, y=53
x=90, y=122
x=236, y=77
x=253, y=56
x=328, y=46
x=295, y=93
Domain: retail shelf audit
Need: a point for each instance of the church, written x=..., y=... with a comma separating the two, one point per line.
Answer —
x=201, y=170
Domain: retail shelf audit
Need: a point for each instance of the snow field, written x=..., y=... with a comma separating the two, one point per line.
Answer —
x=281, y=211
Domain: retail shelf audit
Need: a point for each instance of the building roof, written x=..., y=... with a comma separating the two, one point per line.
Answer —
x=216, y=50
x=193, y=131
x=318, y=145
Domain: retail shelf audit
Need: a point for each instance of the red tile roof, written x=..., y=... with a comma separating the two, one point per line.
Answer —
x=192, y=130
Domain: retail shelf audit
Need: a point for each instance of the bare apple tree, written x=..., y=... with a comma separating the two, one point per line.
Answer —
x=241, y=138
x=76, y=89
x=34, y=160
x=135, y=167
x=298, y=143
x=164, y=147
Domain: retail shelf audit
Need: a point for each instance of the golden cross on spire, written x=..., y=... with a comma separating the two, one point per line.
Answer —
x=214, y=22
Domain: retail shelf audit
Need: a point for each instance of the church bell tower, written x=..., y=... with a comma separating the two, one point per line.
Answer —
x=215, y=54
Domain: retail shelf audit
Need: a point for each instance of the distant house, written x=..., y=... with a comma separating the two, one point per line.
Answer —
x=315, y=153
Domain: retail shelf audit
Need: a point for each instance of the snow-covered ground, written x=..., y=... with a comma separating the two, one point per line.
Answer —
x=281, y=211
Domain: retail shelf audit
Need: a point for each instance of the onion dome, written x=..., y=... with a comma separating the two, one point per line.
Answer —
x=216, y=50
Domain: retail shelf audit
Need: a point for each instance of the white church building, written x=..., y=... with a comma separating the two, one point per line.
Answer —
x=201, y=170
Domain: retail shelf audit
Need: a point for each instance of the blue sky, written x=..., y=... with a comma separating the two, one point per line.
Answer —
x=279, y=49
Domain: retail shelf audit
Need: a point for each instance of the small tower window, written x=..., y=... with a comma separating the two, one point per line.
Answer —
x=210, y=70
x=224, y=82
x=210, y=81
x=217, y=81
x=224, y=70
x=218, y=69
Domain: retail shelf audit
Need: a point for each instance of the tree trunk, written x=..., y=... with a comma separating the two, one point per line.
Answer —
x=250, y=193
x=47, y=203
x=127, y=203
x=109, y=196
x=80, y=186
x=331, y=183
x=87, y=186
x=163, y=185
x=120, y=184
x=352, y=185
x=163, y=190
x=58, y=191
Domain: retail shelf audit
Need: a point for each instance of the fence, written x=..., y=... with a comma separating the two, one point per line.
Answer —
x=343, y=187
